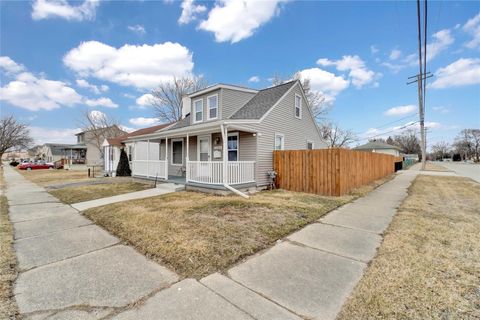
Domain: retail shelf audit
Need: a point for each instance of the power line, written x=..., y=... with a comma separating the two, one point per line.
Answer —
x=383, y=133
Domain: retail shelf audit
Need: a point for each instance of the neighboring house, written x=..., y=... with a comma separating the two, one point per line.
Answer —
x=91, y=142
x=113, y=146
x=380, y=147
x=227, y=136
x=52, y=152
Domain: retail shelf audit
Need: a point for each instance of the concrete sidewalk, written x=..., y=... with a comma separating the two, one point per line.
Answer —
x=71, y=269
x=162, y=188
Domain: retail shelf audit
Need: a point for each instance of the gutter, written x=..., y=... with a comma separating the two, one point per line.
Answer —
x=225, y=169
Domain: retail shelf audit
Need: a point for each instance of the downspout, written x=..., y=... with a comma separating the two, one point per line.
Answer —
x=225, y=162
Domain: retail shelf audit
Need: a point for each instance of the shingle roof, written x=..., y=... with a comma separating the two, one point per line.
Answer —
x=256, y=107
x=185, y=122
x=59, y=149
x=371, y=145
x=117, y=141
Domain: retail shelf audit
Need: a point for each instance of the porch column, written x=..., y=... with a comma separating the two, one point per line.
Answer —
x=134, y=156
x=225, y=153
x=166, y=158
x=71, y=151
x=148, y=157
x=187, y=158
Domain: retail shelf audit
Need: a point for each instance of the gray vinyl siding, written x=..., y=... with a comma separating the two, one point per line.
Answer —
x=281, y=119
x=232, y=100
x=203, y=97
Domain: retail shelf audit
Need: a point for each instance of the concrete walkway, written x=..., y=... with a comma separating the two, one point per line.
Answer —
x=68, y=267
x=72, y=269
x=162, y=188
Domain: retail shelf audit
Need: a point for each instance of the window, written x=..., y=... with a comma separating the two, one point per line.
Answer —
x=298, y=106
x=279, y=141
x=232, y=144
x=177, y=152
x=310, y=145
x=198, y=110
x=212, y=103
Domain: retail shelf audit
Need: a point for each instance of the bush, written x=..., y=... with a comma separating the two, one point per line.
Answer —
x=14, y=163
x=123, y=167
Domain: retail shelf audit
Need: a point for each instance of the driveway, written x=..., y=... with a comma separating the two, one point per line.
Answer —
x=468, y=170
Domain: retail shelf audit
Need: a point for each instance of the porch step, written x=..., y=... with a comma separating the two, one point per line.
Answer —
x=170, y=186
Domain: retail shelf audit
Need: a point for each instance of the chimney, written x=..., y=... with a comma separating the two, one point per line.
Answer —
x=186, y=106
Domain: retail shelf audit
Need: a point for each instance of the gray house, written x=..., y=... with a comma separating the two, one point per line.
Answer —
x=227, y=136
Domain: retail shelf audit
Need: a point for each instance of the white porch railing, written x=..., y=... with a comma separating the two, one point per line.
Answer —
x=211, y=172
x=149, y=168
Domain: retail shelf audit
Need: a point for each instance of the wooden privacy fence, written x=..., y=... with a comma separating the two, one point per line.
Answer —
x=331, y=172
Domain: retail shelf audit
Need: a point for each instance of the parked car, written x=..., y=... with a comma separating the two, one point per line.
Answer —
x=34, y=166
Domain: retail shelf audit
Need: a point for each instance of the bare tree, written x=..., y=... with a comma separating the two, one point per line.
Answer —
x=167, y=97
x=314, y=98
x=336, y=137
x=408, y=141
x=467, y=143
x=13, y=135
x=97, y=126
x=440, y=150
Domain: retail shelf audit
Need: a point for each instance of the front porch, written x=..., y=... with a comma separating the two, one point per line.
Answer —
x=204, y=158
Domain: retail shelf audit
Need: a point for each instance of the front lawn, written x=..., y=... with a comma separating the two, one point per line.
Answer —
x=428, y=266
x=196, y=234
x=47, y=177
x=71, y=195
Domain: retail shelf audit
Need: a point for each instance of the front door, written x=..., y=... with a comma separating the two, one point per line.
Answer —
x=203, y=153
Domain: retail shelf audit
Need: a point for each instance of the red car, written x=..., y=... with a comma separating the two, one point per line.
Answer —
x=34, y=166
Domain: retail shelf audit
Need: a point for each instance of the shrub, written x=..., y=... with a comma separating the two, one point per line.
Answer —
x=123, y=167
x=14, y=163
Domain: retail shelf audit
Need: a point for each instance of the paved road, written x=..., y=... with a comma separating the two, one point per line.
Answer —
x=468, y=170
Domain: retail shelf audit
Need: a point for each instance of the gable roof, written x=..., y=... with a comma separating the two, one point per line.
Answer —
x=117, y=141
x=260, y=103
x=372, y=145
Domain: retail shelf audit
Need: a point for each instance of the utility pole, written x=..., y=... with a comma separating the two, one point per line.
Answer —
x=421, y=79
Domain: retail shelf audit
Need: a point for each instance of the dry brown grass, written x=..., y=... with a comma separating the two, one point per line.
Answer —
x=196, y=234
x=428, y=266
x=71, y=195
x=49, y=177
x=429, y=167
x=8, y=261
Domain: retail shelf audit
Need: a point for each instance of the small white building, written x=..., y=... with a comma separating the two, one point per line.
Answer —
x=380, y=147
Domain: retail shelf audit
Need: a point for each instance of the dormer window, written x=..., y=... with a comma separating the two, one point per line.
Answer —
x=212, y=103
x=298, y=106
x=198, y=104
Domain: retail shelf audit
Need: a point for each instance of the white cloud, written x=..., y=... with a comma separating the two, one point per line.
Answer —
x=10, y=66
x=395, y=54
x=401, y=110
x=254, y=79
x=373, y=49
x=139, y=66
x=101, y=102
x=472, y=26
x=143, y=122
x=33, y=93
x=358, y=72
x=324, y=82
x=396, y=130
x=128, y=95
x=44, y=9
x=441, y=109
x=190, y=11
x=138, y=29
x=441, y=41
x=394, y=67
x=145, y=100
x=43, y=135
x=82, y=83
x=235, y=20
x=459, y=73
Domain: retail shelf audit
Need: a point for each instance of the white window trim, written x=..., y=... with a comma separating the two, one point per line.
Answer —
x=295, y=106
x=171, y=152
x=208, y=106
x=313, y=144
x=275, y=141
x=195, y=111
x=234, y=134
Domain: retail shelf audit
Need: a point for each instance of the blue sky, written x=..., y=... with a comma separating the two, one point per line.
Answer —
x=61, y=58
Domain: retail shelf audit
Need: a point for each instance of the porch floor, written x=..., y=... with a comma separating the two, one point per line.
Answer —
x=177, y=179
